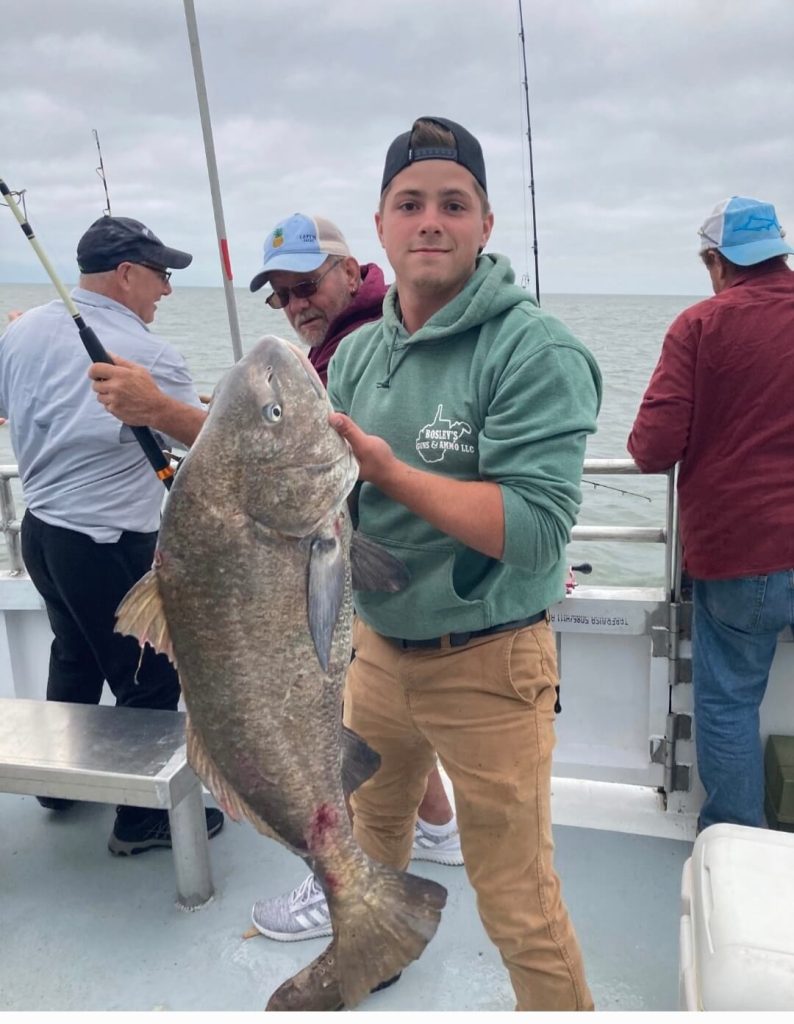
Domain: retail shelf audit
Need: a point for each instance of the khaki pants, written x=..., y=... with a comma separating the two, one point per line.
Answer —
x=488, y=710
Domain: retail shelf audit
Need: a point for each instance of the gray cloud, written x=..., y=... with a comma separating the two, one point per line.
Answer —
x=644, y=114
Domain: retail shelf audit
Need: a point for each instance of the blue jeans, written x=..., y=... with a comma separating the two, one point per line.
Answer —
x=734, y=635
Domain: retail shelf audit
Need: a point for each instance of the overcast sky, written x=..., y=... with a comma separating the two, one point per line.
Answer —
x=645, y=113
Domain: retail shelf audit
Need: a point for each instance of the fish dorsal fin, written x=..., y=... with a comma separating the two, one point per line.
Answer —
x=326, y=592
x=373, y=568
x=141, y=614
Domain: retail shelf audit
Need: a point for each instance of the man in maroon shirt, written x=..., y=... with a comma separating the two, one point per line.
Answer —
x=721, y=402
x=326, y=294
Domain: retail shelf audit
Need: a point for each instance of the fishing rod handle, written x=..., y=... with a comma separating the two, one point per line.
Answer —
x=143, y=435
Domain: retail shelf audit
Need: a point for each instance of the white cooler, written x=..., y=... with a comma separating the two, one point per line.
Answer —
x=737, y=921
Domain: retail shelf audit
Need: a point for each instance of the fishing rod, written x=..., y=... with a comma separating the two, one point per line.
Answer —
x=101, y=172
x=212, y=171
x=529, y=143
x=20, y=195
x=93, y=345
x=620, y=490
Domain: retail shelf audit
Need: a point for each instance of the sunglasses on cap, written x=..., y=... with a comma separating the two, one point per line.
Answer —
x=279, y=297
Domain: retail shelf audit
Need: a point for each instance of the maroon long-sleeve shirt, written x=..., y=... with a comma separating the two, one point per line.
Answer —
x=721, y=402
x=367, y=305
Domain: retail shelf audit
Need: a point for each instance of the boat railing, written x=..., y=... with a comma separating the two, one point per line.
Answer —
x=662, y=534
x=9, y=524
x=666, y=533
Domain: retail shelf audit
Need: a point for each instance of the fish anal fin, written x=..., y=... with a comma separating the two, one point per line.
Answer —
x=359, y=761
x=141, y=614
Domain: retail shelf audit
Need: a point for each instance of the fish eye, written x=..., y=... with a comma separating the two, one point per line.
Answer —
x=272, y=412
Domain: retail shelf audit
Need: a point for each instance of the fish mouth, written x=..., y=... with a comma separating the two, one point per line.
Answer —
x=309, y=370
x=351, y=476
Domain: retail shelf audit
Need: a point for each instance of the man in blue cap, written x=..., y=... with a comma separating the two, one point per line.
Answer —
x=324, y=291
x=720, y=403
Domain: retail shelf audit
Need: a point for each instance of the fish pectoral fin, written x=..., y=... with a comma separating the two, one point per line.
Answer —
x=141, y=614
x=373, y=568
x=326, y=592
x=359, y=761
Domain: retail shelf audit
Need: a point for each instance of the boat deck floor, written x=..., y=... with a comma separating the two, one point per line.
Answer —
x=83, y=930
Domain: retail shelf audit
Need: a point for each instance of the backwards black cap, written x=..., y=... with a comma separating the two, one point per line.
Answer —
x=113, y=240
x=466, y=152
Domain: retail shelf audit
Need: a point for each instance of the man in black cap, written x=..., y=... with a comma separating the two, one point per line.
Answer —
x=467, y=408
x=93, y=502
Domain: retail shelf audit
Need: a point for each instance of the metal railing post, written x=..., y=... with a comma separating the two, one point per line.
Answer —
x=9, y=524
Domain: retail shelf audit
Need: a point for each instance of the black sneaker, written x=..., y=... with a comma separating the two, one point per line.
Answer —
x=136, y=831
x=55, y=803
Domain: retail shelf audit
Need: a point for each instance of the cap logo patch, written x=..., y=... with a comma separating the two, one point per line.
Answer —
x=756, y=223
x=308, y=236
x=278, y=238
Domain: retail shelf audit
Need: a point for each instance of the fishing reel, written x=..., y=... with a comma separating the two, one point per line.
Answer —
x=571, y=583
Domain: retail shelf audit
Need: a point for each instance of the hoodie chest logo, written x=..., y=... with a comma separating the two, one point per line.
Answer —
x=441, y=436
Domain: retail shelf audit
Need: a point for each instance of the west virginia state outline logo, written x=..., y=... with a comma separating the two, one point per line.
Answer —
x=441, y=436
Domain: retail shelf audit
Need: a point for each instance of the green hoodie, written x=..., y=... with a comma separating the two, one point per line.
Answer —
x=490, y=388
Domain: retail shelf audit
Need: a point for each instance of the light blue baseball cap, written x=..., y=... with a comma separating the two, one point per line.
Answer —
x=300, y=244
x=746, y=231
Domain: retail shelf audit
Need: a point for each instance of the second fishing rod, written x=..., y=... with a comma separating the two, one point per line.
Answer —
x=93, y=346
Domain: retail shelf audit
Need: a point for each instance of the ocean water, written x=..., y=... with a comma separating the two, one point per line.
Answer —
x=624, y=332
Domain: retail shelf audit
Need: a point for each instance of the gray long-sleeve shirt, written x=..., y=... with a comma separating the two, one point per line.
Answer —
x=80, y=467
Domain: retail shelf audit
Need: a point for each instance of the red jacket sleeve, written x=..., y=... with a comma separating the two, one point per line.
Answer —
x=660, y=433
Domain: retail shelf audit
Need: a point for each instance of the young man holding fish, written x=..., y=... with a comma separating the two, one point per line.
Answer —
x=467, y=409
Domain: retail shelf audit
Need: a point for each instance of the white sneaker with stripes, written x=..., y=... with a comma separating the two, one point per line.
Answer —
x=438, y=849
x=300, y=914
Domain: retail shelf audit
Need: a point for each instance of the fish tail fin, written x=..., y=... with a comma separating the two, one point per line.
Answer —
x=380, y=931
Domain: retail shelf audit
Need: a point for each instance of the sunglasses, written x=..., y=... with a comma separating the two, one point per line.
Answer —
x=279, y=297
x=164, y=275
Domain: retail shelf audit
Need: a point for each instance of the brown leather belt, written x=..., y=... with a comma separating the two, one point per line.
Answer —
x=461, y=639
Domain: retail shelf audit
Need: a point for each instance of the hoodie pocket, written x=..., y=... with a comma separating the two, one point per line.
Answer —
x=429, y=606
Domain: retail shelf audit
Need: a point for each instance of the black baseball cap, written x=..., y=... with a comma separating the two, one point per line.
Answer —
x=113, y=240
x=466, y=152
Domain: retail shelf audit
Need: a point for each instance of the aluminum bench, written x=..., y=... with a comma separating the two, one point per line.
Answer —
x=133, y=756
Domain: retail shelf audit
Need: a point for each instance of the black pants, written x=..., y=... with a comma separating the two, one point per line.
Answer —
x=82, y=583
